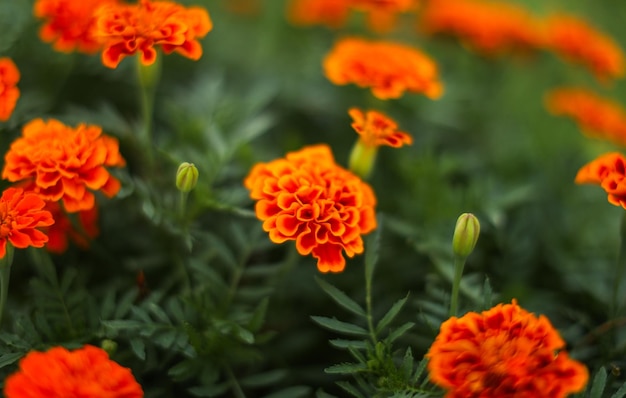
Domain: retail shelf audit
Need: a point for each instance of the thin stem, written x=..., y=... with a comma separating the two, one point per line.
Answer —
x=368, y=308
x=5, y=276
x=182, y=207
x=619, y=270
x=459, y=264
x=237, y=391
x=148, y=77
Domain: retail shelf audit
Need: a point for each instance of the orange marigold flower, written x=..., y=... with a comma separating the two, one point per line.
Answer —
x=60, y=373
x=485, y=26
x=381, y=14
x=376, y=129
x=64, y=163
x=69, y=24
x=503, y=352
x=21, y=213
x=308, y=198
x=596, y=116
x=608, y=171
x=577, y=41
x=388, y=68
x=126, y=29
x=9, y=93
x=64, y=229
x=331, y=13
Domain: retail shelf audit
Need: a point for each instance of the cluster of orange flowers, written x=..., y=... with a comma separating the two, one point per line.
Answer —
x=120, y=29
x=503, y=352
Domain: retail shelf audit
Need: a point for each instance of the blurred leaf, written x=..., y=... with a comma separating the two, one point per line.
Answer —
x=341, y=298
x=346, y=368
x=339, y=326
x=391, y=314
x=599, y=382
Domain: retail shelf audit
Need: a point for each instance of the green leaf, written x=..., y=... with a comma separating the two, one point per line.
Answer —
x=8, y=359
x=339, y=326
x=323, y=394
x=349, y=388
x=621, y=392
x=341, y=298
x=342, y=343
x=264, y=379
x=139, y=348
x=258, y=317
x=419, y=371
x=398, y=332
x=407, y=363
x=291, y=392
x=487, y=294
x=391, y=314
x=346, y=368
x=599, y=382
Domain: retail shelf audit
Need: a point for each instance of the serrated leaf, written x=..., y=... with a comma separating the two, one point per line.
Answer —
x=341, y=298
x=339, y=326
x=599, y=383
x=345, y=368
x=349, y=388
x=139, y=348
x=342, y=343
x=398, y=332
x=419, y=371
x=8, y=359
x=391, y=314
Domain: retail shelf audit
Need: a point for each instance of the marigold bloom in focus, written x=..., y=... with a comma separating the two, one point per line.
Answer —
x=308, y=198
x=64, y=229
x=64, y=163
x=69, y=24
x=485, y=26
x=503, y=352
x=331, y=13
x=596, y=116
x=9, y=93
x=577, y=41
x=59, y=373
x=388, y=68
x=376, y=129
x=21, y=213
x=608, y=171
x=126, y=29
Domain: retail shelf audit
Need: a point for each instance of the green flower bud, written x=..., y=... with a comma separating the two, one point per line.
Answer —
x=465, y=235
x=186, y=177
x=109, y=346
x=362, y=159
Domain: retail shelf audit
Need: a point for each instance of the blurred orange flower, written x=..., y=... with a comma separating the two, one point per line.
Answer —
x=503, y=352
x=388, y=68
x=308, y=198
x=64, y=163
x=608, y=171
x=21, y=213
x=575, y=40
x=382, y=14
x=64, y=229
x=488, y=27
x=126, y=29
x=331, y=13
x=69, y=24
x=596, y=116
x=376, y=129
x=9, y=93
x=59, y=373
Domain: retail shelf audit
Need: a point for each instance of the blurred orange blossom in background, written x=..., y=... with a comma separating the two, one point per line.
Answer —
x=608, y=171
x=9, y=93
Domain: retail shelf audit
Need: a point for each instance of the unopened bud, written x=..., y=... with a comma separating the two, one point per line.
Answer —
x=465, y=235
x=109, y=346
x=362, y=159
x=186, y=177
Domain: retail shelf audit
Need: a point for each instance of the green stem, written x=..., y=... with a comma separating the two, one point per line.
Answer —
x=459, y=264
x=148, y=77
x=5, y=276
x=237, y=391
x=619, y=271
x=182, y=207
x=368, y=307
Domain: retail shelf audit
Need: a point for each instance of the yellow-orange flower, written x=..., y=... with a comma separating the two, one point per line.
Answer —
x=331, y=13
x=382, y=14
x=388, y=68
x=596, y=116
x=503, y=352
x=9, y=93
x=126, y=29
x=376, y=129
x=64, y=229
x=69, y=24
x=21, y=213
x=59, y=373
x=488, y=27
x=308, y=198
x=575, y=40
x=64, y=163
x=608, y=171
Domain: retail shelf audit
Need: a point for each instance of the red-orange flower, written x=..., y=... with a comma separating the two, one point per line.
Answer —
x=596, y=116
x=388, y=68
x=376, y=129
x=503, y=352
x=382, y=14
x=69, y=24
x=577, y=41
x=59, y=373
x=9, y=93
x=79, y=230
x=608, y=171
x=331, y=13
x=308, y=198
x=488, y=27
x=21, y=213
x=64, y=163
x=126, y=29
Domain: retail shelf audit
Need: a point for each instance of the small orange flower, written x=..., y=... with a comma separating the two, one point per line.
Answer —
x=388, y=68
x=59, y=373
x=69, y=24
x=382, y=14
x=308, y=198
x=64, y=163
x=577, y=41
x=376, y=129
x=9, y=93
x=596, y=116
x=608, y=171
x=503, y=352
x=64, y=229
x=488, y=27
x=331, y=13
x=126, y=29
x=21, y=213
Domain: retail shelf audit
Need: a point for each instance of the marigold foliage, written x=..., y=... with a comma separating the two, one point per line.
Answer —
x=503, y=352
x=388, y=68
x=608, y=171
x=9, y=93
x=308, y=198
x=60, y=373
x=376, y=129
x=127, y=29
x=63, y=163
